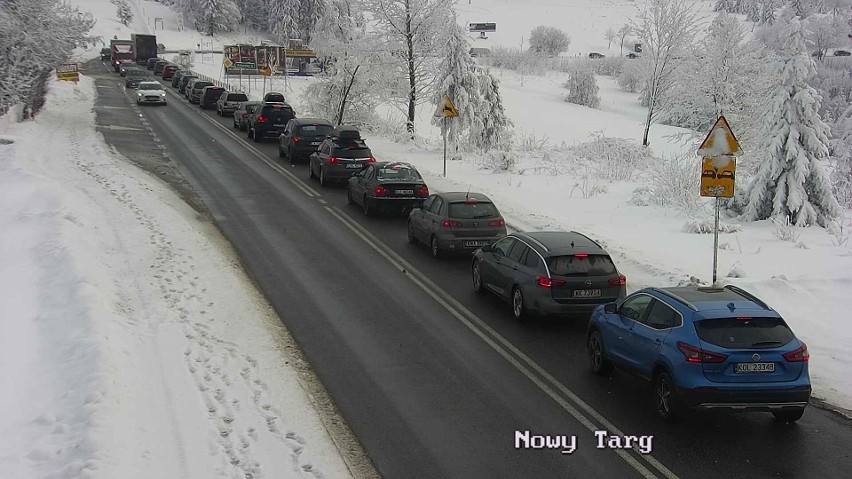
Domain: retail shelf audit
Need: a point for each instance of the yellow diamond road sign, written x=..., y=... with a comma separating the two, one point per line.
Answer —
x=448, y=109
x=720, y=141
x=228, y=63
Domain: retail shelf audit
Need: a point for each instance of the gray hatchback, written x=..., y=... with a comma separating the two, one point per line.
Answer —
x=455, y=223
x=550, y=273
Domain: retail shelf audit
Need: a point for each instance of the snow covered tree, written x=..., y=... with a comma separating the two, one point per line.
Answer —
x=457, y=79
x=623, y=32
x=214, y=16
x=841, y=147
x=666, y=27
x=411, y=32
x=632, y=76
x=582, y=87
x=494, y=131
x=610, y=35
x=791, y=180
x=123, y=12
x=549, y=40
x=282, y=19
x=35, y=36
x=824, y=31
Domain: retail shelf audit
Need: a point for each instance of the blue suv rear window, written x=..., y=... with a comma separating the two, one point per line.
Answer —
x=735, y=333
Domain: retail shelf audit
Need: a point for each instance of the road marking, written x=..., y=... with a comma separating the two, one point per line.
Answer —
x=120, y=128
x=108, y=107
x=298, y=183
x=523, y=363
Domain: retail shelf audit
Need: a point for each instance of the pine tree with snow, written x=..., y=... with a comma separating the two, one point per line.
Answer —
x=123, y=11
x=582, y=87
x=217, y=16
x=495, y=128
x=841, y=147
x=791, y=180
x=458, y=80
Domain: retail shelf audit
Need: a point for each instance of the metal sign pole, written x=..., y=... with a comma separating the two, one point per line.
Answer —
x=444, y=134
x=716, y=241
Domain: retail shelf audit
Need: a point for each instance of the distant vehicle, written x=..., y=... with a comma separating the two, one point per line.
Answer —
x=302, y=137
x=632, y=56
x=705, y=349
x=161, y=48
x=150, y=92
x=184, y=81
x=125, y=67
x=842, y=53
x=134, y=77
x=387, y=187
x=169, y=71
x=177, y=76
x=340, y=156
x=229, y=102
x=457, y=222
x=197, y=89
x=596, y=55
x=151, y=62
x=549, y=273
x=159, y=66
x=209, y=96
x=274, y=97
x=480, y=52
x=106, y=52
x=243, y=112
x=121, y=51
x=145, y=46
x=269, y=121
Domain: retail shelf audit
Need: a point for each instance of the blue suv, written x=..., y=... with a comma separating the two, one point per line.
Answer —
x=703, y=349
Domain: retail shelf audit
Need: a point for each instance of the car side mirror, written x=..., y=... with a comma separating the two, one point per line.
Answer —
x=486, y=248
x=610, y=308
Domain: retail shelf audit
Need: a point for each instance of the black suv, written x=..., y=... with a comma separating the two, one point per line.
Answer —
x=270, y=120
x=302, y=137
x=342, y=155
x=151, y=62
x=184, y=81
x=209, y=96
x=106, y=53
x=274, y=97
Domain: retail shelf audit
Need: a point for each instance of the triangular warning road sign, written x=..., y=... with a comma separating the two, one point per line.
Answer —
x=448, y=109
x=720, y=141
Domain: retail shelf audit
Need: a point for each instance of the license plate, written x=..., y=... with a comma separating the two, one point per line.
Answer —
x=279, y=125
x=315, y=143
x=587, y=293
x=404, y=192
x=353, y=165
x=754, y=367
x=475, y=243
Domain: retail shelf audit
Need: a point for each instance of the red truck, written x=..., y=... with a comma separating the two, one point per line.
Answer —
x=122, y=51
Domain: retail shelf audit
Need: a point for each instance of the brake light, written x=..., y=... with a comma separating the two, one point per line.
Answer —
x=798, y=355
x=500, y=222
x=371, y=159
x=296, y=139
x=581, y=255
x=451, y=224
x=471, y=201
x=620, y=281
x=332, y=160
x=693, y=354
x=261, y=119
x=380, y=191
x=421, y=191
x=546, y=282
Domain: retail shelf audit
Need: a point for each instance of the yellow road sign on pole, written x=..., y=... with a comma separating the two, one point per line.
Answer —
x=717, y=176
x=720, y=141
x=265, y=71
x=448, y=109
x=228, y=63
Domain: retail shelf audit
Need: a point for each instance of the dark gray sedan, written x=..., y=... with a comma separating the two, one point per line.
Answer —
x=550, y=273
x=455, y=223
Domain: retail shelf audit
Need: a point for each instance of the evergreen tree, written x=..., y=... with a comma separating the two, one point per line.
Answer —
x=458, y=80
x=791, y=179
x=582, y=87
x=495, y=128
x=123, y=11
x=841, y=147
x=217, y=16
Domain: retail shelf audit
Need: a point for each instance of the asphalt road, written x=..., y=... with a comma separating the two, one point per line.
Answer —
x=432, y=378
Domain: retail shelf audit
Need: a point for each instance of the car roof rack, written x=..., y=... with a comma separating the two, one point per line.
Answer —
x=674, y=296
x=747, y=295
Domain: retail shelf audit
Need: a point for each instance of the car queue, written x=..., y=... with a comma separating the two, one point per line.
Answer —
x=700, y=348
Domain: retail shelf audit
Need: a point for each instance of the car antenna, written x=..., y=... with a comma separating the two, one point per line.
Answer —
x=572, y=244
x=467, y=195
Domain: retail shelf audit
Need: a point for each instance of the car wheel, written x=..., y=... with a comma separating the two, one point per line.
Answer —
x=280, y=152
x=519, y=309
x=322, y=180
x=235, y=124
x=665, y=398
x=248, y=132
x=411, y=237
x=476, y=273
x=255, y=137
x=311, y=171
x=434, y=247
x=597, y=358
x=788, y=416
x=366, y=206
x=349, y=199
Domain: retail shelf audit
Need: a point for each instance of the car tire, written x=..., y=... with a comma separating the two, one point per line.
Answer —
x=323, y=182
x=597, y=356
x=665, y=397
x=435, y=247
x=280, y=152
x=788, y=416
x=248, y=132
x=365, y=205
x=519, y=307
x=412, y=238
x=255, y=137
x=235, y=125
x=311, y=171
x=476, y=276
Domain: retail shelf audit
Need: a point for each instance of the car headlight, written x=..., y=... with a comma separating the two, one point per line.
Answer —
x=139, y=94
x=163, y=94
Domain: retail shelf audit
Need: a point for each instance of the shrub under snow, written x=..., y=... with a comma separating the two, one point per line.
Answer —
x=549, y=40
x=582, y=87
x=613, y=158
x=706, y=227
x=631, y=77
x=673, y=181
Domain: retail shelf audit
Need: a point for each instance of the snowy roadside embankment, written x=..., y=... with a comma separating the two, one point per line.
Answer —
x=133, y=345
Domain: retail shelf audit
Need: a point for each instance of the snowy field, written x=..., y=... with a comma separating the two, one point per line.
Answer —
x=105, y=295
x=133, y=344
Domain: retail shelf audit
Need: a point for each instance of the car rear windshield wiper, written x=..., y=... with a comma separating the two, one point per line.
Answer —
x=766, y=343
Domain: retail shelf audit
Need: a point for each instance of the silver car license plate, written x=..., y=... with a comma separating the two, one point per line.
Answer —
x=315, y=143
x=475, y=243
x=587, y=293
x=404, y=192
x=353, y=165
x=754, y=367
x=279, y=125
